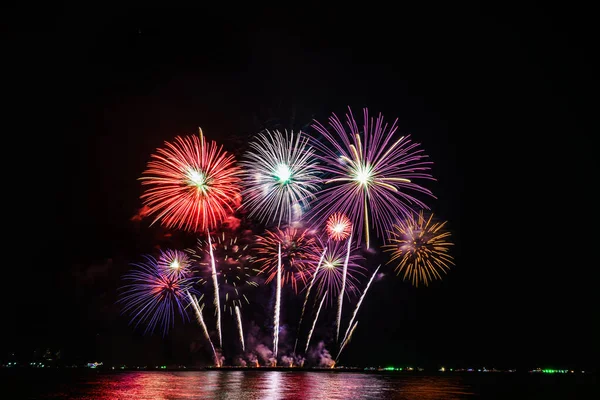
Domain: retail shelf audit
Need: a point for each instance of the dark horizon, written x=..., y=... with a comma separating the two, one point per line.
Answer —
x=500, y=99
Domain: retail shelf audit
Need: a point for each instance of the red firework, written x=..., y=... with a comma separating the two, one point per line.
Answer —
x=191, y=184
x=338, y=226
x=296, y=245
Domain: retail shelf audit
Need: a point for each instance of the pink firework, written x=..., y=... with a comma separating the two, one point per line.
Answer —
x=370, y=174
x=338, y=226
x=191, y=184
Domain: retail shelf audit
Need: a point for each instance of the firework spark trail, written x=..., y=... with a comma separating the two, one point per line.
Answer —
x=198, y=311
x=341, y=297
x=238, y=314
x=314, y=323
x=358, y=306
x=312, y=282
x=346, y=341
x=216, y=286
x=277, y=305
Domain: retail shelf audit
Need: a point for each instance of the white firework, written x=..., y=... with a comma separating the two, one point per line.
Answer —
x=280, y=176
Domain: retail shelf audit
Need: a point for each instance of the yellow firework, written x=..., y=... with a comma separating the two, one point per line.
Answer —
x=420, y=247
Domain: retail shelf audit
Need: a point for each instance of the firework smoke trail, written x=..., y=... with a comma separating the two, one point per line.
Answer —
x=216, y=285
x=312, y=282
x=346, y=340
x=238, y=314
x=198, y=311
x=314, y=322
x=358, y=306
x=341, y=297
x=277, y=305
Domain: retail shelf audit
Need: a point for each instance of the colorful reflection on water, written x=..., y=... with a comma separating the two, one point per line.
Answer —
x=245, y=385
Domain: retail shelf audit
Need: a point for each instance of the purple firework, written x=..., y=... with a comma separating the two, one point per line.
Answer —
x=329, y=277
x=369, y=174
x=153, y=297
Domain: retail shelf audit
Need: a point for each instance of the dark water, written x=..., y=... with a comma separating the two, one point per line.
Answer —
x=290, y=385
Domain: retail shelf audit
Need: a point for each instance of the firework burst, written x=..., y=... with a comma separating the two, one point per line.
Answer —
x=191, y=184
x=370, y=174
x=420, y=246
x=330, y=273
x=174, y=264
x=234, y=261
x=153, y=297
x=338, y=226
x=280, y=176
x=295, y=255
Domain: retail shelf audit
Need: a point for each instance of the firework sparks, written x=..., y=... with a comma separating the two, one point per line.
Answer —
x=280, y=176
x=234, y=260
x=200, y=318
x=216, y=287
x=330, y=275
x=358, y=306
x=294, y=247
x=191, y=185
x=371, y=179
x=238, y=315
x=314, y=323
x=153, y=297
x=347, y=340
x=312, y=282
x=277, y=306
x=338, y=226
x=421, y=248
x=341, y=295
x=174, y=264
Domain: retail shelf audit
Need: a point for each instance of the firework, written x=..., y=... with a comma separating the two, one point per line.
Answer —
x=294, y=246
x=174, y=264
x=280, y=176
x=314, y=323
x=358, y=306
x=312, y=282
x=191, y=184
x=277, y=306
x=329, y=274
x=234, y=261
x=153, y=297
x=370, y=174
x=200, y=318
x=420, y=246
x=347, y=340
x=342, y=289
x=238, y=315
x=216, y=287
x=338, y=226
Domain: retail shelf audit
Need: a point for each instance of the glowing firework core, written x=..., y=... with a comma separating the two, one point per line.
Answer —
x=197, y=179
x=363, y=174
x=175, y=264
x=283, y=173
x=338, y=226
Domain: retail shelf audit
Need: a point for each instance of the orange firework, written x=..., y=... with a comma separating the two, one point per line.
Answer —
x=421, y=248
x=296, y=245
x=338, y=226
x=191, y=184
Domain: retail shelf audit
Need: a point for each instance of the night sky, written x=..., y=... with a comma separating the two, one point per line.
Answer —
x=502, y=100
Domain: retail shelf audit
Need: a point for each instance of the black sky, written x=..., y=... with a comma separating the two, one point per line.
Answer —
x=502, y=99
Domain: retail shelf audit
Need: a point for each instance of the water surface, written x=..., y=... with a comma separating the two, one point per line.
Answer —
x=246, y=385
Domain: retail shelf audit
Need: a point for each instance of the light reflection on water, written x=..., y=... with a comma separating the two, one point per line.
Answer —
x=246, y=385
